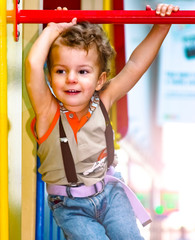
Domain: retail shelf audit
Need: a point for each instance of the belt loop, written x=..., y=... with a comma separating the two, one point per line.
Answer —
x=96, y=190
x=69, y=192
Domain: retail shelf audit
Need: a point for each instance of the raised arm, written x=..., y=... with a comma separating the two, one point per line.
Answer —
x=42, y=100
x=37, y=88
x=139, y=61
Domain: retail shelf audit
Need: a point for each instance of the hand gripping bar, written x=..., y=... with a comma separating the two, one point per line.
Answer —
x=147, y=16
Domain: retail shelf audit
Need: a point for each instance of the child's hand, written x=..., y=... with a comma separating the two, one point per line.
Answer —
x=166, y=9
x=60, y=8
x=60, y=27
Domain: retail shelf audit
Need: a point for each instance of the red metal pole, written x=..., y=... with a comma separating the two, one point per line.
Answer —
x=96, y=16
x=104, y=16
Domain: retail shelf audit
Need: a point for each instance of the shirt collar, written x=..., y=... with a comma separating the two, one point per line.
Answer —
x=94, y=102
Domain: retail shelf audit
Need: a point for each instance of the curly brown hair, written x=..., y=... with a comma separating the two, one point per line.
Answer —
x=83, y=35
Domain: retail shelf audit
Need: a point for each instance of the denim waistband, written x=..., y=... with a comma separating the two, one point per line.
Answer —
x=90, y=191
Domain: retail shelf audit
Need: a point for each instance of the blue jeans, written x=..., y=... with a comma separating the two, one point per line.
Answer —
x=108, y=215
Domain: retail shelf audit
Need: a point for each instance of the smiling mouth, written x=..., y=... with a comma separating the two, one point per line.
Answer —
x=71, y=91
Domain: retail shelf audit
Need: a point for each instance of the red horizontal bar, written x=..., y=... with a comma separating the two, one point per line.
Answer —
x=104, y=16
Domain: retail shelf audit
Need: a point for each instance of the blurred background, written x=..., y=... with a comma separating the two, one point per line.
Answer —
x=154, y=126
x=159, y=144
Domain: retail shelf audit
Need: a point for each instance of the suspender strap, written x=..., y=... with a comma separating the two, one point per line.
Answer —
x=69, y=165
x=67, y=156
x=109, y=136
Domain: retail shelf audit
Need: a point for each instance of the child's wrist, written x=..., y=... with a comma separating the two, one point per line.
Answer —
x=162, y=27
x=53, y=29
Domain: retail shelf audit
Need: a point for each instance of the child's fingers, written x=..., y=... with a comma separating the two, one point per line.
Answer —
x=171, y=9
x=176, y=8
x=161, y=9
x=158, y=9
x=60, y=8
x=64, y=25
x=148, y=7
x=74, y=20
x=166, y=9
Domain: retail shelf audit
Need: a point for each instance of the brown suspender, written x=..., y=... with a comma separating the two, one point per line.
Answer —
x=69, y=165
x=109, y=136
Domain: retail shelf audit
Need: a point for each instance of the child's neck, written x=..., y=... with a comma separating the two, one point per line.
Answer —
x=80, y=112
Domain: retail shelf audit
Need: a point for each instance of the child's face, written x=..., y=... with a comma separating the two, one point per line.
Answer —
x=75, y=75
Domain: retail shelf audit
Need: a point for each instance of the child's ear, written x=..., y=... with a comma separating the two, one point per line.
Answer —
x=101, y=81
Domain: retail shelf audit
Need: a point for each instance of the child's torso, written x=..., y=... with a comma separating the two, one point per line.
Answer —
x=86, y=151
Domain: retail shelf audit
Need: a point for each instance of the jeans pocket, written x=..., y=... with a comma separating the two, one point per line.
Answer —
x=55, y=201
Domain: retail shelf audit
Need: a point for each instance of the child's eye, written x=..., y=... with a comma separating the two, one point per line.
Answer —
x=60, y=71
x=83, y=71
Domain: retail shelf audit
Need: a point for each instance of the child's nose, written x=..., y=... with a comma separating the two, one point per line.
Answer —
x=72, y=77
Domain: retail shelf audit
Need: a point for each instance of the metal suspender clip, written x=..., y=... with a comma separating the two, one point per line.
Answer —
x=64, y=139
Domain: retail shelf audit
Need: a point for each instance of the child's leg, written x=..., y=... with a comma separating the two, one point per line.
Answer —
x=83, y=228
x=76, y=218
x=119, y=220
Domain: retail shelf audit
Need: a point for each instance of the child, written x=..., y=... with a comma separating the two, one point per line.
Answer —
x=72, y=128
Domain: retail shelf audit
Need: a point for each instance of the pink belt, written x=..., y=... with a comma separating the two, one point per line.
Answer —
x=89, y=191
